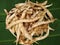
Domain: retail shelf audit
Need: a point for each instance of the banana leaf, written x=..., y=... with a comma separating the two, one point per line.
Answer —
x=6, y=38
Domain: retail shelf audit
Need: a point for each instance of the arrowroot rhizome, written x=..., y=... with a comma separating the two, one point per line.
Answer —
x=29, y=22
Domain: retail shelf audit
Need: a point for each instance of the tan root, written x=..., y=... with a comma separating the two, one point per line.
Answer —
x=29, y=22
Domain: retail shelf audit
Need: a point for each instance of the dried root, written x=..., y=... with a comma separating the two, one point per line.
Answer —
x=29, y=22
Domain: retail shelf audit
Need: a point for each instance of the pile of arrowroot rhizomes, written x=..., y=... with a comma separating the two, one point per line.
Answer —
x=29, y=21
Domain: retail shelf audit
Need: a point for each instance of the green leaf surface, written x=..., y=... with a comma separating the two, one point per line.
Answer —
x=6, y=38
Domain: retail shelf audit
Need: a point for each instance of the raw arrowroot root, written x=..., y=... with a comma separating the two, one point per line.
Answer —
x=29, y=22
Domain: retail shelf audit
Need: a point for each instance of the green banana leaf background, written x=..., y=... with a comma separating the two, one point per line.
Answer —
x=6, y=38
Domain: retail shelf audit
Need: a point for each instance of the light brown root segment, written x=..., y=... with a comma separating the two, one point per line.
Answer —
x=29, y=22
